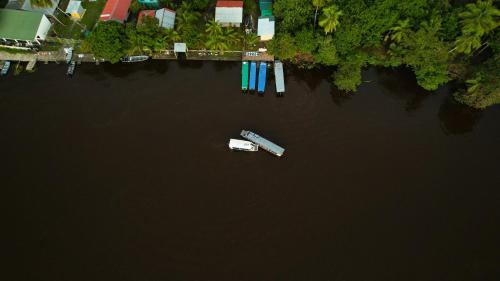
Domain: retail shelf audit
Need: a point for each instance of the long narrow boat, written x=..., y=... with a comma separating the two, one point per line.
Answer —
x=244, y=76
x=5, y=68
x=253, y=76
x=262, y=77
x=134, y=58
x=279, y=77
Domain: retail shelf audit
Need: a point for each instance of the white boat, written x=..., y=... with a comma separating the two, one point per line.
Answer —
x=71, y=69
x=242, y=145
x=5, y=68
x=69, y=54
x=134, y=58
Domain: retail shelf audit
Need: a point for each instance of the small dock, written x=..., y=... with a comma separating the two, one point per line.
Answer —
x=256, y=56
x=262, y=77
x=263, y=143
x=253, y=76
x=244, y=76
x=279, y=77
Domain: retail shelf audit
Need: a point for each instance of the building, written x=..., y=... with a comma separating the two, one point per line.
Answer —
x=166, y=17
x=265, y=28
x=49, y=11
x=229, y=13
x=150, y=3
x=116, y=10
x=23, y=28
x=145, y=13
x=75, y=9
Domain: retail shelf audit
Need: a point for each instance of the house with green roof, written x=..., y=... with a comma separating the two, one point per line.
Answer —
x=23, y=28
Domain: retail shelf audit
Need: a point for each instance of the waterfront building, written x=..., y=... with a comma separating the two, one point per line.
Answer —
x=23, y=29
x=75, y=9
x=166, y=17
x=150, y=3
x=265, y=28
x=116, y=10
x=229, y=13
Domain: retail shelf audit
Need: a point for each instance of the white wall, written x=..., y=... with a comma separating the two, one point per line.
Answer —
x=43, y=28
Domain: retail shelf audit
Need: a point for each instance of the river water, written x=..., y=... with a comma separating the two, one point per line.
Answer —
x=123, y=173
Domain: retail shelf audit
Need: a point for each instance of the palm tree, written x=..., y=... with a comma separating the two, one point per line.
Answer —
x=251, y=41
x=186, y=18
x=467, y=43
x=479, y=18
x=41, y=3
x=217, y=37
x=474, y=84
x=398, y=32
x=213, y=28
x=318, y=4
x=330, y=19
x=171, y=36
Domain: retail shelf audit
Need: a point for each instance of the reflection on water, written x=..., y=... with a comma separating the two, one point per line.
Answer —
x=457, y=118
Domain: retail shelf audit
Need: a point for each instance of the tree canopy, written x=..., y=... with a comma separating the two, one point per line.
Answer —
x=107, y=41
x=437, y=40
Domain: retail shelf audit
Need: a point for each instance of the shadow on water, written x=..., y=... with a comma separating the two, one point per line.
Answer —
x=190, y=64
x=456, y=118
x=311, y=77
x=399, y=83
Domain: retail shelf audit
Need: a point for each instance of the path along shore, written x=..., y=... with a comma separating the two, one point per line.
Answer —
x=60, y=56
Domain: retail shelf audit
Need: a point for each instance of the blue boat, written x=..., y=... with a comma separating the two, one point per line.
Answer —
x=253, y=76
x=262, y=77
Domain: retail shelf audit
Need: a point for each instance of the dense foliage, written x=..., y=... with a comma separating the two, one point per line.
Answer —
x=107, y=41
x=439, y=40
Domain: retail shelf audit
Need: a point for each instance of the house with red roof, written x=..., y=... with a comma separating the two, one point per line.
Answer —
x=229, y=13
x=166, y=17
x=116, y=10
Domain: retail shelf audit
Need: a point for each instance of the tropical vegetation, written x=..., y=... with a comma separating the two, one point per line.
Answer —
x=439, y=40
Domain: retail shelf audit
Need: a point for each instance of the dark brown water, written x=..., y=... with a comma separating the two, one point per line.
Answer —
x=123, y=173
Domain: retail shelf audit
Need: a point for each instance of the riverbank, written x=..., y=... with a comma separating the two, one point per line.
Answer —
x=60, y=56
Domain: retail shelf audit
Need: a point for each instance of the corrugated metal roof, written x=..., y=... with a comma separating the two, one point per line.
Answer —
x=265, y=26
x=19, y=25
x=229, y=15
x=230, y=4
x=180, y=47
x=166, y=18
x=115, y=10
x=74, y=7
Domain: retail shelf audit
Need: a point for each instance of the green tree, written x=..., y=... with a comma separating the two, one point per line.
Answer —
x=477, y=20
x=330, y=18
x=327, y=53
x=348, y=75
x=107, y=41
x=200, y=5
x=427, y=55
x=305, y=41
x=41, y=3
x=318, y=4
x=293, y=13
x=282, y=46
x=398, y=32
x=251, y=41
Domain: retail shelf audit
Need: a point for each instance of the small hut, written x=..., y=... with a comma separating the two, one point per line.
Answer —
x=75, y=9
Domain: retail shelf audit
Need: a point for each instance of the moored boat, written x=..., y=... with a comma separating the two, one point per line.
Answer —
x=5, y=68
x=71, y=69
x=242, y=145
x=134, y=58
